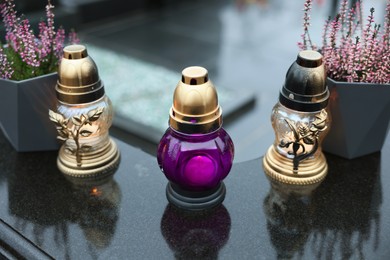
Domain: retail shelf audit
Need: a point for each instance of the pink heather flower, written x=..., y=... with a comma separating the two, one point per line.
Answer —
x=306, y=16
x=28, y=46
x=347, y=56
x=335, y=26
x=386, y=26
x=44, y=42
x=350, y=23
x=343, y=15
x=9, y=15
x=10, y=21
x=39, y=54
x=306, y=23
x=59, y=43
x=325, y=31
x=50, y=20
x=359, y=13
x=6, y=70
x=370, y=21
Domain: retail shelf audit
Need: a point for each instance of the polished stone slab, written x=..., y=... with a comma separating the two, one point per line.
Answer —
x=142, y=93
x=128, y=217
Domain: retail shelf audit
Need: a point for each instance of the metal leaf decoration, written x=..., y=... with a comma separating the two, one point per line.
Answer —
x=305, y=134
x=85, y=133
x=76, y=120
x=94, y=115
x=75, y=130
x=57, y=118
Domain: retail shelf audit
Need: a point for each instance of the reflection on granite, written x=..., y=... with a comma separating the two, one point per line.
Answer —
x=41, y=201
x=196, y=235
x=288, y=221
x=343, y=214
x=127, y=217
x=96, y=209
x=348, y=207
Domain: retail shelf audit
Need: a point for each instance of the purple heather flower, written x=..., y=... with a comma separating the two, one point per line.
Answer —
x=6, y=70
x=348, y=57
x=9, y=15
x=59, y=43
x=306, y=23
x=386, y=26
x=27, y=48
x=50, y=20
x=34, y=51
x=44, y=41
x=343, y=15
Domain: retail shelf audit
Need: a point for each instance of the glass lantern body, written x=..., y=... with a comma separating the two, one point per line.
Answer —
x=91, y=132
x=196, y=162
x=299, y=133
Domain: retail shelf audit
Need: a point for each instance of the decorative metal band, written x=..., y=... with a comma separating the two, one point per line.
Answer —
x=279, y=168
x=95, y=165
x=79, y=98
x=79, y=89
x=304, y=103
x=306, y=98
x=188, y=128
x=195, y=124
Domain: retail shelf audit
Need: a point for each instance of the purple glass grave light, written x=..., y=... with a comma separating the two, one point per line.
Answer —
x=195, y=153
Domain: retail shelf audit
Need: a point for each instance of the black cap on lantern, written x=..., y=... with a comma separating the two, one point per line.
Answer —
x=305, y=85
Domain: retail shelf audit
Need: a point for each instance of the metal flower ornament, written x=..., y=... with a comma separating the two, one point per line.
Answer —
x=303, y=135
x=74, y=127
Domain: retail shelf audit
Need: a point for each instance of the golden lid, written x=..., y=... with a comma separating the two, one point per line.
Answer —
x=195, y=107
x=78, y=77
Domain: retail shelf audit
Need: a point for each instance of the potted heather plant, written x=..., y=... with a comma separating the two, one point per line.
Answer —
x=28, y=65
x=357, y=57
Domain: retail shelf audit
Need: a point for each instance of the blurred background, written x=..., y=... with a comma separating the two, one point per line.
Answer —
x=141, y=47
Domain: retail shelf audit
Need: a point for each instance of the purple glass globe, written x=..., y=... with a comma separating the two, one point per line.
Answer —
x=195, y=162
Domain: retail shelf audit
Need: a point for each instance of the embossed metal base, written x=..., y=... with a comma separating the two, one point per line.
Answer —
x=192, y=200
x=278, y=168
x=95, y=164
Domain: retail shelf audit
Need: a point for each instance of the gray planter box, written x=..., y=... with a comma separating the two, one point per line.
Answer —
x=360, y=118
x=24, y=107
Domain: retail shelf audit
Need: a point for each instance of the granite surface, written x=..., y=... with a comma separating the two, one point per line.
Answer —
x=127, y=215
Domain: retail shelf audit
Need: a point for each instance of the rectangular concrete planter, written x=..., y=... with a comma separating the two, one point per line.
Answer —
x=360, y=118
x=24, y=107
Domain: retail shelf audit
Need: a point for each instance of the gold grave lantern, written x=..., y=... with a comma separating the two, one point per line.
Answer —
x=300, y=121
x=83, y=118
